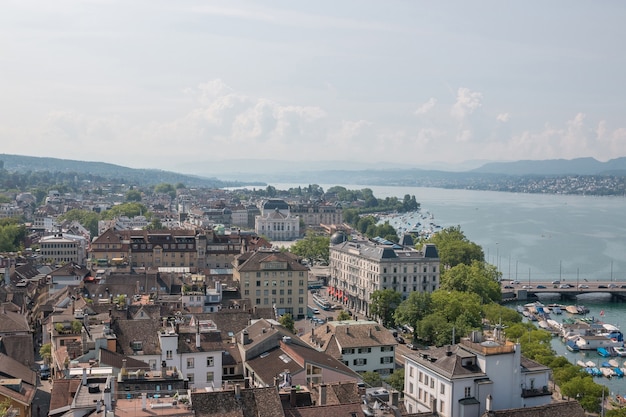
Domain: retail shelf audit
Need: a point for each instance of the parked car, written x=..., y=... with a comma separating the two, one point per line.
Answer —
x=44, y=371
x=400, y=340
x=411, y=346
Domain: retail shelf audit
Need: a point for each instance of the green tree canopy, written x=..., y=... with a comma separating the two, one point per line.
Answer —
x=383, y=303
x=12, y=235
x=396, y=379
x=133, y=195
x=131, y=210
x=165, y=188
x=478, y=278
x=454, y=248
x=286, y=320
x=343, y=315
x=416, y=306
x=87, y=218
x=372, y=379
x=312, y=247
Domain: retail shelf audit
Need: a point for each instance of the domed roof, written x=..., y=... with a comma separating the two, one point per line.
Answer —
x=338, y=237
x=275, y=204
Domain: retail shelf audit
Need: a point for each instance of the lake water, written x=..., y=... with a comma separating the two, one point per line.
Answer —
x=537, y=237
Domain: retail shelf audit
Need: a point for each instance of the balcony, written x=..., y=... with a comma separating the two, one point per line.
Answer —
x=536, y=392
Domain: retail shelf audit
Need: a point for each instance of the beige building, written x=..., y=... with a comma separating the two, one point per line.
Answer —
x=269, y=278
x=62, y=248
x=317, y=213
x=360, y=267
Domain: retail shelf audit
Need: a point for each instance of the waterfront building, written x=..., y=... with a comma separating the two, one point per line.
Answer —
x=360, y=267
x=472, y=377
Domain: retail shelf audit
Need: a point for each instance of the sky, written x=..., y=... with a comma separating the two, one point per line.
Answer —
x=179, y=85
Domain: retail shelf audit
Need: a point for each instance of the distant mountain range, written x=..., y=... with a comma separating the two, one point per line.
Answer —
x=259, y=172
x=578, y=166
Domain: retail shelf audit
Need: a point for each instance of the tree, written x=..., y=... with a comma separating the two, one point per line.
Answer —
x=165, y=188
x=454, y=248
x=586, y=391
x=87, y=218
x=417, y=306
x=313, y=247
x=343, y=315
x=133, y=195
x=77, y=326
x=286, y=320
x=383, y=303
x=372, y=379
x=5, y=405
x=479, y=278
x=45, y=351
x=396, y=379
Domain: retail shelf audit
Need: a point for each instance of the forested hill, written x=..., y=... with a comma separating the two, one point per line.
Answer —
x=88, y=170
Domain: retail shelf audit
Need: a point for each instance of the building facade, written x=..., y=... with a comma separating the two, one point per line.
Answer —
x=358, y=268
x=317, y=213
x=467, y=378
x=62, y=248
x=270, y=278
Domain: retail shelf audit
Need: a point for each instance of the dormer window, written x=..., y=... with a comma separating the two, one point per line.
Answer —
x=136, y=345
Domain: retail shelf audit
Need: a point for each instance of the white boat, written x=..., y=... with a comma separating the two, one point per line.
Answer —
x=591, y=364
x=594, y=342
x=581, y=364
x=621, y=351
x=607, y=372
x=613, y=363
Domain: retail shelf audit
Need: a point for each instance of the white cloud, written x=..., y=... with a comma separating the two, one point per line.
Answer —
x=426, y=107
x=467, y=102
x=503, y=117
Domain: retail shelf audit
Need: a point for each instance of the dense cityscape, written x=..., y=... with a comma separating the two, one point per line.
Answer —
x=185, y=298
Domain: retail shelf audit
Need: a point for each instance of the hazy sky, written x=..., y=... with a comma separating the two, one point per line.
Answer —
x=160, y=84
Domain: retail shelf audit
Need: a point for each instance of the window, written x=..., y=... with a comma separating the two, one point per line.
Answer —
x=468, y=392
x=209, y=377
x=442, y=389
x=189, y=362
x=209, y=361
x=411, y=372
x=168, y=354
x=410, y=388
x=360, y=362
x=432, y=382
x=190, y=378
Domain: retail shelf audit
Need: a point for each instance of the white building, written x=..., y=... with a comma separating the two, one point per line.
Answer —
x=62, y=248
x=363, y=346
x=195, y=350
x=358, y=268
x=460, y=380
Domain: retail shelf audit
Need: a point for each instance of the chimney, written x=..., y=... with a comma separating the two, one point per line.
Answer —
x=327, y=328
x=123, y=370
x=395, y=396
x=448, y=351
x=84, y=378
x=347, y=329
x=245, y=339
x=322, y=400
x=198, y=335
x=488, y=403
x=292, y=396
x=369, y=332
x=144, y=401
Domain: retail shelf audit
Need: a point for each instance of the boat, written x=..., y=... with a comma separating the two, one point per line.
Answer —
x=607, y=372
x=603, y=352
x=596, y=371
x=571, y=309
x=620, y=350
x=614, y=363
x=572, y=346
x=590, y=364
x=582, y=364
x=596, y=341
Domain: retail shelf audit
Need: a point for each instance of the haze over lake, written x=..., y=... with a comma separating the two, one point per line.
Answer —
x=537, y=235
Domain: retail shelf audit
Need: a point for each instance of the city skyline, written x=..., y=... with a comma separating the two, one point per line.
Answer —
x=174, y=85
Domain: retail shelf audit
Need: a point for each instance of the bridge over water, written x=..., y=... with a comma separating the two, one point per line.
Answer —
x=566, y=291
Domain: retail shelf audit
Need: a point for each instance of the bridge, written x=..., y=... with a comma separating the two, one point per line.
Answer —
x=512, y=290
